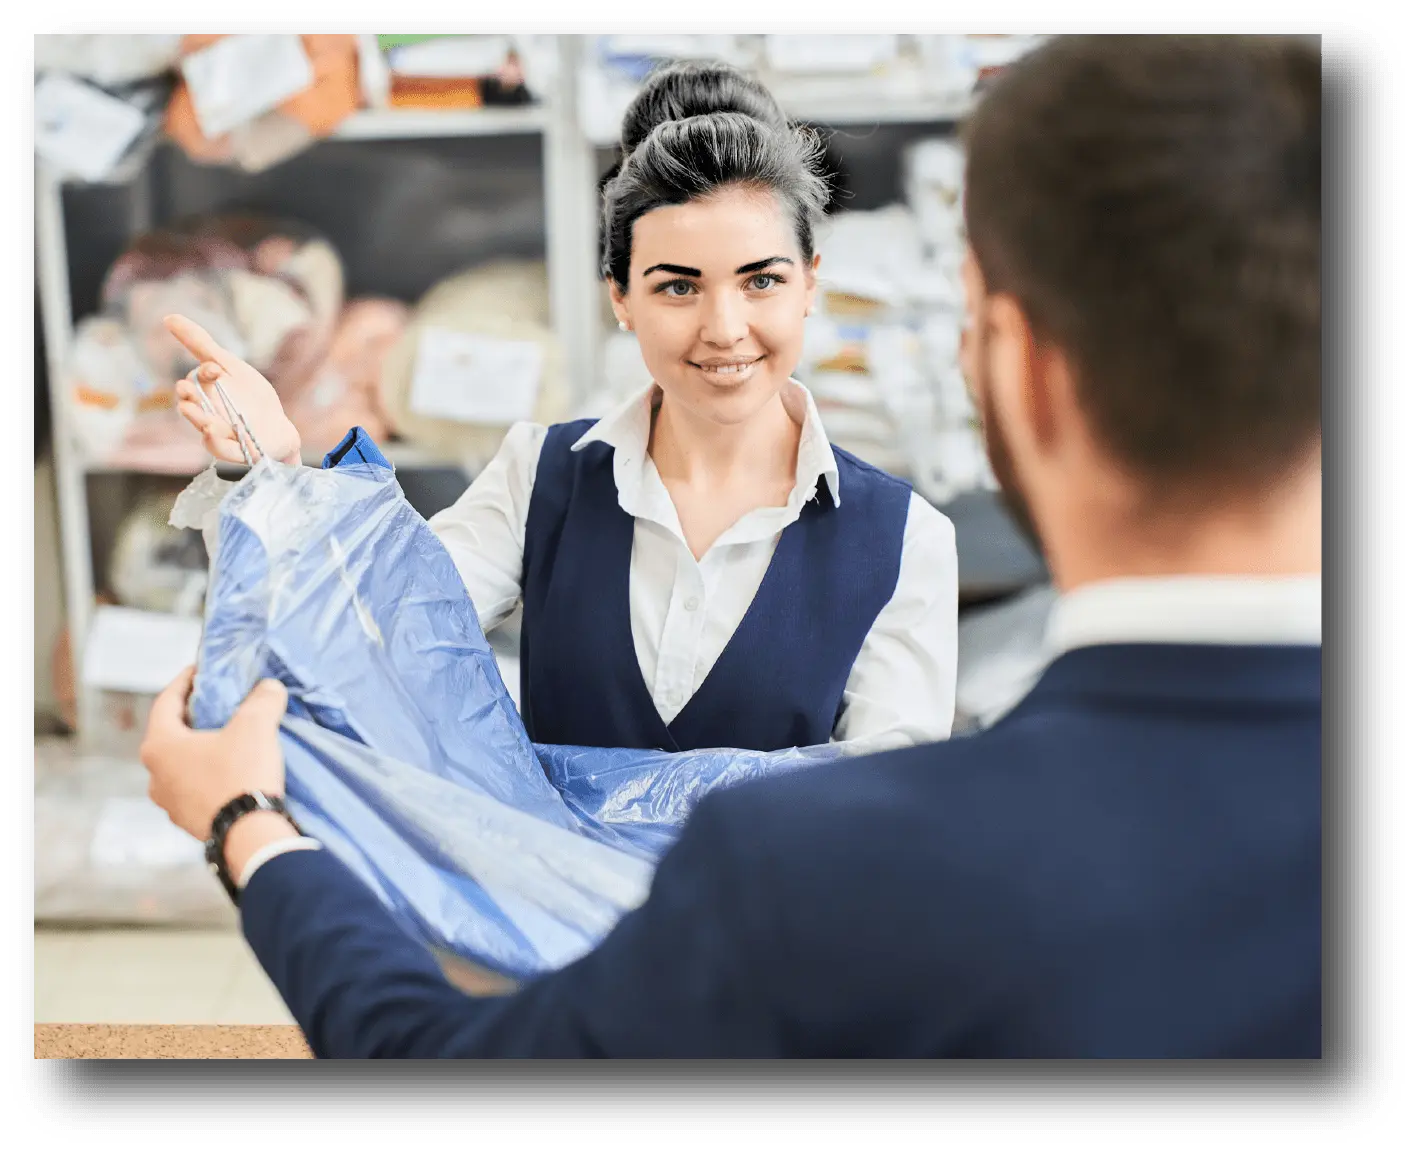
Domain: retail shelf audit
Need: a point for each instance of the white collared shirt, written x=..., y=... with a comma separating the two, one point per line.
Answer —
x=684, y=611
x=1188, y=609
x=1006, y=650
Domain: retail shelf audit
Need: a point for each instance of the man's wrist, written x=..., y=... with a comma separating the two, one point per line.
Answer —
x=250, y=834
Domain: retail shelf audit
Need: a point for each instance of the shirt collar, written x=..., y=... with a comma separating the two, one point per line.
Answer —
x=1235, y=610
x=626, y=430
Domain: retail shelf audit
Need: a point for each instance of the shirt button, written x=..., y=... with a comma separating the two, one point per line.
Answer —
x=691, y=603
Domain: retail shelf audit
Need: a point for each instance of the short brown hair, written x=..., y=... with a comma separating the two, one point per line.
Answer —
x=1154, y=205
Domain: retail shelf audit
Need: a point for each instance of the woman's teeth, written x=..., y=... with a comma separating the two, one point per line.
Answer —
x=730, y=369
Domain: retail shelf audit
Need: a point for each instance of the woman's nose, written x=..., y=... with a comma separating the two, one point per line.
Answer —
x=724, y=320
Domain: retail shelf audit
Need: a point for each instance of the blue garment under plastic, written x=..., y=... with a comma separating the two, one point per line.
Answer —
x=404, y=753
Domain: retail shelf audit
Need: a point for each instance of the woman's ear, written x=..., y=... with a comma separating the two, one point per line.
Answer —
x=812, y=271
x=620, y=305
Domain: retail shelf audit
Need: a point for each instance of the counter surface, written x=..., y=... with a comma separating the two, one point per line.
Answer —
x=163, y=1041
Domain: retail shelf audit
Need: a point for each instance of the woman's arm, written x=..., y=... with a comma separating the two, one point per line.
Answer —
x=903, y=686
x=484, y=531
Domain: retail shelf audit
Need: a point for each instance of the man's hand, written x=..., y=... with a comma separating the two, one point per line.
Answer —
x=196, y=773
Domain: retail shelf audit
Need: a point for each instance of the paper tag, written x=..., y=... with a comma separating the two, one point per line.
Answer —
x=138, y=651
x=81, y=130
x=137, y=833
x=830, y=53
x=239, y=78
x=475, y=379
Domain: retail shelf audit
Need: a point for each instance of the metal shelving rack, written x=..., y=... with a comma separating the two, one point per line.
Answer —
x=567, y=167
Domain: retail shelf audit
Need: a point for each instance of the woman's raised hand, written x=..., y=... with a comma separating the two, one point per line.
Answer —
x=251, y=393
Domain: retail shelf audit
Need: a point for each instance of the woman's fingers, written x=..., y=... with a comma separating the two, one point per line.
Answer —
x=197, y=416
x=186, y=390
x=198, y=394
x=199, y=342
x=216, y=433
x=225, y=449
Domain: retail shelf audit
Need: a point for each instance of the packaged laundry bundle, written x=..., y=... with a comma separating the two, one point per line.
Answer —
x=109, y=389
x=478, y=354
x=270, y=290
x=933, y=182
x=346, y=389
x=404, y=753
x=257, y=100
x=274, y=288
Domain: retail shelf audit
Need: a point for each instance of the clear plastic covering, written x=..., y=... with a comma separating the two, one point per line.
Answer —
x=639, y=800
x=404, y=752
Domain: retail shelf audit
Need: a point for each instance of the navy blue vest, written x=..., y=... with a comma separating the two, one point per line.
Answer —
x=780, y=681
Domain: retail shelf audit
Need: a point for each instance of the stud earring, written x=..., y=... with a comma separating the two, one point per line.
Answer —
x=623, y=327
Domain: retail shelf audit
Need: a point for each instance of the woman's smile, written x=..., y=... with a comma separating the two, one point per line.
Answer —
x=728, y=371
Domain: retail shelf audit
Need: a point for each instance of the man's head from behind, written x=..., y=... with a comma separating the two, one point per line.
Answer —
x=1143, y=282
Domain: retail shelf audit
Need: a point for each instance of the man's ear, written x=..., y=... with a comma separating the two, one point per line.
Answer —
x=1024, y=372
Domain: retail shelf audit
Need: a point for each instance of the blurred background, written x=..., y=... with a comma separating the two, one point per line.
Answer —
x=331, y=207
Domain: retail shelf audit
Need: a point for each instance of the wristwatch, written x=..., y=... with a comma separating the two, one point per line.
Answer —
x=225, y=819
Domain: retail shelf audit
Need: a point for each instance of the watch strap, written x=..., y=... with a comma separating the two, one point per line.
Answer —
x=227, y=818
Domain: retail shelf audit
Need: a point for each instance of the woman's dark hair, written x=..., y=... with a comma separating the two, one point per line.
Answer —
x=697, y=127
x=1154, y=205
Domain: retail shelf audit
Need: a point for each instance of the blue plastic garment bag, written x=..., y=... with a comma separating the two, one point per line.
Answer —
x=404, y=753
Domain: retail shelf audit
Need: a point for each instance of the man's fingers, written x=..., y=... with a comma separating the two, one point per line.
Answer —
x=171, y=703
x=198, y=341
x=264, y=707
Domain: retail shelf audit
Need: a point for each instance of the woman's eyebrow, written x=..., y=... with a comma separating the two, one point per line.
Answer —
x=696, y=273
x=676, y=269
x=761, y=265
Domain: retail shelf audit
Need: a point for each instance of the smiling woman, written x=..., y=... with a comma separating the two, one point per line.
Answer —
x=730, y=321
x=700, y=568
x=778, y=591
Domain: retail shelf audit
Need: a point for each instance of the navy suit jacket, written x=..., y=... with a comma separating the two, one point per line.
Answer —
x=1129, y=865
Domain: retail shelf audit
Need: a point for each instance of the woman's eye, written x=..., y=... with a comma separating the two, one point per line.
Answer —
x=764, y=281
x=671, y=289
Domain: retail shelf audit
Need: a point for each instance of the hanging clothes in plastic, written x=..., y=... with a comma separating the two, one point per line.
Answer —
x=404, y=753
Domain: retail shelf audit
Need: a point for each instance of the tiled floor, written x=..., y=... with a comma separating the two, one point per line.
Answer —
x=150, y=976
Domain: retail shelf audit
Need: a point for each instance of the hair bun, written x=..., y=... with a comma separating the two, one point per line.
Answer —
x=696, y=88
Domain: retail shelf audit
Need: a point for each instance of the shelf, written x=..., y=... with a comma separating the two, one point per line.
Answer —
x=391, y=124
x=371, y=125
x=402, y=456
